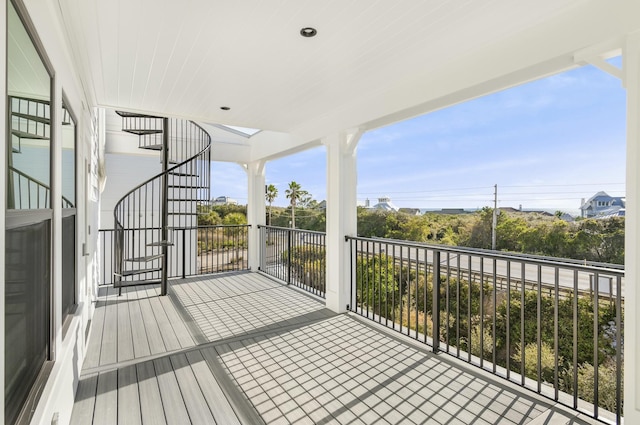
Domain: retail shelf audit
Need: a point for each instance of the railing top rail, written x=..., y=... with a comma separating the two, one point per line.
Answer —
x=211, y=226
x=613, y=269
x=260, y=226
x=202, y=226
x=138, y=229
x=66, y=202
x=31, y=99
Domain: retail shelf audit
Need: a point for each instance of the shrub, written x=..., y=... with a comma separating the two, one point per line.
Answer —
x=547, y=361
x=606, y=383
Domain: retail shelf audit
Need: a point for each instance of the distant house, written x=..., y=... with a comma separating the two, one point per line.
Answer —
x=410, y=211
x=541, y=212
x=601, y=205
x=452, y=211
x=385, y=204
x=567, y=217
x=509, y=210
x=224, y=200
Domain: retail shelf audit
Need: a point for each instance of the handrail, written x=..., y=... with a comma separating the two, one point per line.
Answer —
x=197, y=250
x=159, y=175
x=260, y=226
x=536, y=259
x=31, y=99
x=66, y=203
x=295, y=256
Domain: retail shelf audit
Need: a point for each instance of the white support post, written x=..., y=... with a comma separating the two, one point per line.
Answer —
x=341, y=216
x=631, y=69
x=256, y=210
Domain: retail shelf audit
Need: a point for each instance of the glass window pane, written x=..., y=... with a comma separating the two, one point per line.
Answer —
x=29, y=151
x=68, y=159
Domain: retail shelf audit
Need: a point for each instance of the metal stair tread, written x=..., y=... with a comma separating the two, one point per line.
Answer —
x=42, y=120
x=142, y=131
x=161, y=243
x=144, y=259
x=178, y=174
x=126, y=273
x=127, y=283
x=182, y=213
x=25, y=135
x=182, y=186
x=126, y=114
x=152, y=147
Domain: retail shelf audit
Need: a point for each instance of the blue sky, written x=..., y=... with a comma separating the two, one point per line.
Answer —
x=546, y=144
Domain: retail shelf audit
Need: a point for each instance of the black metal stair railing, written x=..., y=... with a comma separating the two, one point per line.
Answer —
x=30, y=193
x=30, y=119
x=144, y=216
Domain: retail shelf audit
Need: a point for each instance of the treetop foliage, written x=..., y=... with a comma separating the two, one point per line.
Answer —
x=589, y=239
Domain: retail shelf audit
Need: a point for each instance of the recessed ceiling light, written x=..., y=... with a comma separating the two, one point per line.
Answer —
x=225, y=108
x=308, y=32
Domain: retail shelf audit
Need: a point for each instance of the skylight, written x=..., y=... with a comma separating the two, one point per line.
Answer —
x=244, y=130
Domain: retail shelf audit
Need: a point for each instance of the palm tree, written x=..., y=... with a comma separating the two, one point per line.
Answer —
x=295, y=194
x=271, y=194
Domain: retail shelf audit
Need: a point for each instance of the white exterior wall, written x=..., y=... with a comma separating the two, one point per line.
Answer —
x=124, y=172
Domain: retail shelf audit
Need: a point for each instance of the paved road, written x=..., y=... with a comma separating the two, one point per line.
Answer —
x=533, y=273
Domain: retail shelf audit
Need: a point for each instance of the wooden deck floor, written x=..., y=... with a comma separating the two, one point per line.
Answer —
x=241, y=348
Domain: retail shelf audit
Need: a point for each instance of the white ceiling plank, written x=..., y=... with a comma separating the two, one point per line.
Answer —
x=370, y=59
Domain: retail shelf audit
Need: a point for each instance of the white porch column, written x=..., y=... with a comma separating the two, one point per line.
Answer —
x=341, y=215
x=631, y=69
x=256, y=209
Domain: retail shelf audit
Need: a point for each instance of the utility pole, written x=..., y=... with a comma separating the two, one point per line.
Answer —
x=495, y=217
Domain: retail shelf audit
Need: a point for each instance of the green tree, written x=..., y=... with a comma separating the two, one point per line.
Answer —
x=480, y=235
x=270, y=195
x=234, y=219
x=295, y=194
x=210, y=218
x=223, y=210
x=509, y=232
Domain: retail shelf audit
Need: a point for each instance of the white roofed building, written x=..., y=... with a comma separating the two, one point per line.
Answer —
x=385, y=204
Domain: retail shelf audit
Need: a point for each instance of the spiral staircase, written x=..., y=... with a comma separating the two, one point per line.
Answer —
x=145, y=217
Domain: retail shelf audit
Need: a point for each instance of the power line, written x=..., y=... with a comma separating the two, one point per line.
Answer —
x=570, y=185
x=488, y=188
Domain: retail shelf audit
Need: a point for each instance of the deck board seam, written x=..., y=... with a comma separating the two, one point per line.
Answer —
x=234, y=338
x=227, y=297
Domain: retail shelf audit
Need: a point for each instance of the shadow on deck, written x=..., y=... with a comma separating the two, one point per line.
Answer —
x=241, y=348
